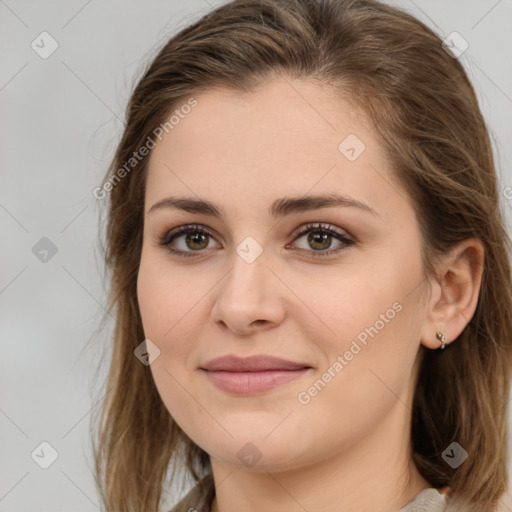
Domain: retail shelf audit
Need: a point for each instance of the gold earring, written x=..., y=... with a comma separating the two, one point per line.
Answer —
x=441, y=338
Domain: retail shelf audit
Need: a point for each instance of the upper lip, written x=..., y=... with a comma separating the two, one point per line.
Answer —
x=252, y=364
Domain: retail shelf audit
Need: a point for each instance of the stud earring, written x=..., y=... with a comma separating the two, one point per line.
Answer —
x=442, y=339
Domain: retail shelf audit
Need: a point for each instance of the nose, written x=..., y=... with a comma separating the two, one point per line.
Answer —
x=249, y=298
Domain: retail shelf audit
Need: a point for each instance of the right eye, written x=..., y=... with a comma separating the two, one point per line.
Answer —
x=195, y=240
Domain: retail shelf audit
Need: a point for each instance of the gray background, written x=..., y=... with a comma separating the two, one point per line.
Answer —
x=60, y=119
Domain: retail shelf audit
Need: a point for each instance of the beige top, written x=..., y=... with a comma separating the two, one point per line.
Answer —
x=199, y=499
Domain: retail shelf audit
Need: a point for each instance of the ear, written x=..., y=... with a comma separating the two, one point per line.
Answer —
x=455, y=292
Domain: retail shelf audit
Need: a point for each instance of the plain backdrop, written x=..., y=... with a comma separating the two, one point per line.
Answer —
x=60, y=119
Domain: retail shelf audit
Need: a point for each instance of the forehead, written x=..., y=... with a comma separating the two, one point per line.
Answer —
x=287, y=137
x=281, y=112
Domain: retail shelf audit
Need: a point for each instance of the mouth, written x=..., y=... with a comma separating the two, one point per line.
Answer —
x=252, y=375
x=249, y=383
x=254, y=363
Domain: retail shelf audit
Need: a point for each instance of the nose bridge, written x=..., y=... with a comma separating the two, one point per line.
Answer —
x=247, y=280
x=249, y=296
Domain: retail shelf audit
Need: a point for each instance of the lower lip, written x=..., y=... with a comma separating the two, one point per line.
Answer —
x=249, y=383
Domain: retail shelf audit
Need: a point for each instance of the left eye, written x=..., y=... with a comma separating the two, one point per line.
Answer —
x=196, y=239
x=319, y=236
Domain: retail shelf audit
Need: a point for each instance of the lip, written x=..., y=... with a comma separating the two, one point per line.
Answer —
x=252, y=375
x=251, y=383
x=255, y=363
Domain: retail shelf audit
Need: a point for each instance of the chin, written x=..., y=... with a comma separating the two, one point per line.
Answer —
x=257, y=454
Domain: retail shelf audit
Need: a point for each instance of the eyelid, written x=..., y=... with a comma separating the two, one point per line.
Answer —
x=322, y=226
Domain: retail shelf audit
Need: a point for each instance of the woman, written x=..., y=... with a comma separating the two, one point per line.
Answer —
x=310, y=271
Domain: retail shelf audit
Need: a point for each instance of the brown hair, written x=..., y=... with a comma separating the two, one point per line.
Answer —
x=426, y=115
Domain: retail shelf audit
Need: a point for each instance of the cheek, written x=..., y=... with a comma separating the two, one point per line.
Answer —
x=165, y=308
x=164, y=298
x=153, y=303
x=174, y=305
x=341, y=304
x=369, y=316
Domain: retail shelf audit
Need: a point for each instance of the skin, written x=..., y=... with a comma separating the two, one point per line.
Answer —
x=348, y=448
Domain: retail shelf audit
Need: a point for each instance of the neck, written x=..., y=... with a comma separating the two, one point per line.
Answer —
x=377, y=473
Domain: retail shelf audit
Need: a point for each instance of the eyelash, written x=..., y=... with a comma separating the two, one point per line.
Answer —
x=169, y=237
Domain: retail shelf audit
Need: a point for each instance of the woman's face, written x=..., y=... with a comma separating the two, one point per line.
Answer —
x=342, y=299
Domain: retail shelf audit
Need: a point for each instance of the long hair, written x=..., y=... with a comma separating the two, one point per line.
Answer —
x=426, y=116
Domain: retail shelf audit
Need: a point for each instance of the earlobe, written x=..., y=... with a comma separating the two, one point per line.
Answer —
x=454, y=295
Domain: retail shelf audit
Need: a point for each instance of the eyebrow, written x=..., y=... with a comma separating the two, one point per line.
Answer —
x=279, y=208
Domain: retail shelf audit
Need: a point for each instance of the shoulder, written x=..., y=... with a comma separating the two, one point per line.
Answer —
x=199, y=498
x=428, y=500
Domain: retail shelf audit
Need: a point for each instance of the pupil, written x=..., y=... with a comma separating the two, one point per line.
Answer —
x=319, y=238
x=194, y=238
